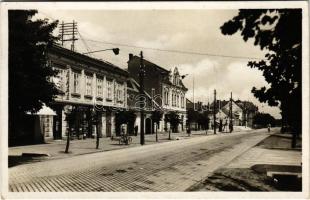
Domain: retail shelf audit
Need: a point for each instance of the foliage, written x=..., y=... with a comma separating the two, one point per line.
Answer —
x=70, y=116
x=174, y=119
x=156, y=116
x=192, y=115
x=124, y=117
x=281, y=67
x=263, y=119
x=203, y=120
x=29, y=85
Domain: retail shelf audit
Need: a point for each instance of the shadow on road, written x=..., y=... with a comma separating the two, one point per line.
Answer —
x=19, y=160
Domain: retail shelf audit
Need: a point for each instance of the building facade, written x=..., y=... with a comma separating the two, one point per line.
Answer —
x=166, y=90
x=243, y=112
x=87, y=86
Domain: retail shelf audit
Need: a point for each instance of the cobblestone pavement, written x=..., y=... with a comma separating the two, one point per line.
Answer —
x=172, y=166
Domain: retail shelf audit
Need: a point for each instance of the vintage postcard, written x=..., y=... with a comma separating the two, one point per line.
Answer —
x=179, y=100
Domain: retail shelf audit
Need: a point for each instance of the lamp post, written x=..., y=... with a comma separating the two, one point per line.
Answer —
x=115, y=51
x=141, y=91
x=214, y=113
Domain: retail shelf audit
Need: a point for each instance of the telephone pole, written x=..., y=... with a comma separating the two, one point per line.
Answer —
x=141, y=82
x=230, y=106
x=194, y=91
x=230, y=114
x=214, y=114
x=67, y=32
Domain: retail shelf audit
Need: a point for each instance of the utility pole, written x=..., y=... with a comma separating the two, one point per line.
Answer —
x=62, y=33
x=141, y=82
x=214, y=116
x=67, y=32
x=230, y=108
x=230, y=114
x=73, y=36
x=194, y=91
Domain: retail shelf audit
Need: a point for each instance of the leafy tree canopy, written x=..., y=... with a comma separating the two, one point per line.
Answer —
x=173, y=118
x=263, y=119
x=278, y=31
x=29, y=74
x=157, y=116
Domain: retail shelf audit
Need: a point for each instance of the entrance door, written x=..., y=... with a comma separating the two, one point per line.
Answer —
x=108, y=124
x=148, y=126
x=57, y=125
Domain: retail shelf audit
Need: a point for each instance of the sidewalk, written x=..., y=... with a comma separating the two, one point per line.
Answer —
x=55, y=149
x=271, y=165
x=165, y=167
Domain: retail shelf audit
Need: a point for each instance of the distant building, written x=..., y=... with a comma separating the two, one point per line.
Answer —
x=243, y=112
x=86, y=83
x=198, y=107
x=249, y=111
x=164, y=87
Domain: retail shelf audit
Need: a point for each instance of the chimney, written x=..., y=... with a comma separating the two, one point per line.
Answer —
x=130, y=56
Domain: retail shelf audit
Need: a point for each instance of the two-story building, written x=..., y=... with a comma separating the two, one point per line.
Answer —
x=164, y=87
x=86, y=84
x=243, y=112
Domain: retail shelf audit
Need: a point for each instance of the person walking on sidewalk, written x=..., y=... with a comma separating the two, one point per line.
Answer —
x=268, y=127
x=136, y=130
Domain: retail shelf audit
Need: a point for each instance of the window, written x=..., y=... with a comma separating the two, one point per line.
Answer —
x=88, y=85
x=76, y=82
x=109, y=90
x=99, y=87
x=165, y=96
x=119, y=93
x=60, y=80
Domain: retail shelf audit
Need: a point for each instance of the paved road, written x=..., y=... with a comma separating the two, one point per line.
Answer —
x=172, y=166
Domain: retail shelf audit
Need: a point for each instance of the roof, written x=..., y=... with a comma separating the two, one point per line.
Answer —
x=44, y=111
x=88, y=60
x=163, y=71
x=153, y=64
x=246, y=105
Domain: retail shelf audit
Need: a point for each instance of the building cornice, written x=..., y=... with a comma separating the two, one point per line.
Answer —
x=101, y=65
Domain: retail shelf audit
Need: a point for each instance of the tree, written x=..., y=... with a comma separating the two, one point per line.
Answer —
x=70, y=117
x=174, y=119
x=95, y=119
x=192, y=116
x=263, y=119
x=282, y=64
x=29, y=74
x=125, y=117
x=203, y=120
x=156, y=118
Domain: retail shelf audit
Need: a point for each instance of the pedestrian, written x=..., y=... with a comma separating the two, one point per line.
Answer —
x=221, y=125
x=230, y=126
x=268, y=126
x=136, y=130
x=123, y=130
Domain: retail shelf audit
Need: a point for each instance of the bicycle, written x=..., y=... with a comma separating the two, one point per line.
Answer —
x=124, y=139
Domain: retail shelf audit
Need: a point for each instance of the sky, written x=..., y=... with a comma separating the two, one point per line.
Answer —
x=180, y=30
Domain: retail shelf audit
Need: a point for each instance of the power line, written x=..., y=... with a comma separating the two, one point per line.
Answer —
x=169, y=50
x=176, y=51
x=84, y=42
